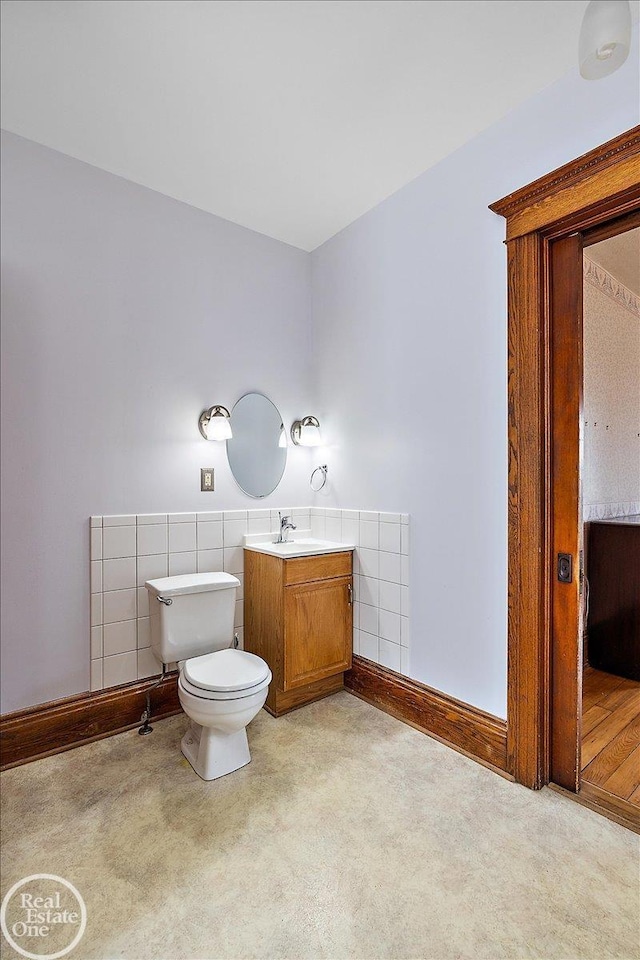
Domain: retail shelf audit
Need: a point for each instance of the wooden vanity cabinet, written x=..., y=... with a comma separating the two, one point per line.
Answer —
x=298, y=616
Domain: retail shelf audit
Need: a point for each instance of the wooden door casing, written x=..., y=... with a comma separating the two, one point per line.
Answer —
x=318, y=630
x=565, y=319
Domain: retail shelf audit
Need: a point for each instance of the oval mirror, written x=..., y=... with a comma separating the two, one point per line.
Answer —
x=257, y=452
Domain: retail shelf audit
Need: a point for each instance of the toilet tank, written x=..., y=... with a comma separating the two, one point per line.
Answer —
x=191, y=615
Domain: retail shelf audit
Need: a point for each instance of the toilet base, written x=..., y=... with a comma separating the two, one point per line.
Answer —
x=213, y=754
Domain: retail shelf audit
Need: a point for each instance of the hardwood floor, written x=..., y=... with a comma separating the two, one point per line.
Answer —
x=611, y=735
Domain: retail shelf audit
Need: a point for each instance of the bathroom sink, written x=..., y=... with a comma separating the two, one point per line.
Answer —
x=304, y=547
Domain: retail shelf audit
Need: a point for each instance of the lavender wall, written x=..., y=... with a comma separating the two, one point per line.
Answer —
x=409, y=308
x=124, y=314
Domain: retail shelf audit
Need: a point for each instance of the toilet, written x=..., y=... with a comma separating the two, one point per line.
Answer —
x=221, y=689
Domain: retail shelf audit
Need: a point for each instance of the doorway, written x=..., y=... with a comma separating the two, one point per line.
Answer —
x=610, y=481
x=547, y=225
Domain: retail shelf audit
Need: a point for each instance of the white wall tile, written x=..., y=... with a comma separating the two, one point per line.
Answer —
x=120, y=520
x=389, y=626
x=369, y=619
x=390, y=596
x=356, y=642
x=119, y=605
x=152, y=539
x=404, y=601
x=143, y=601
x=350, y=515
x=239, y=614
x=368, y=646
x=369, y=591
x=148, y=666
x=209, y=536
x=119, y=637
x=96, y=576
x=143, y=638
x=404, y=518
x=318, y=526
x=152, y=568
x=146, y=518
x=182, y=563
x=233, y=560
x=368, y=562
x=233, y=532
x=213, y=516
x=405, y=661
x=389, y=517
x=96, y=521
x=259, y=514
x=182, y=518
x=350, y=532
x=405, y=632
x=235, y=515
x=389, y=654
x=356, y=615
x=119, y=574
x=96, y=543
x=240, y=589
x=404, y=540
x=96, y=675
x=390, y=537
x=333, y=529
x=96, y=643
x=182, y=537
x=123, y=668
x=259, y=525
x=369, y=534
x=118, y=542
x=210, y=561
x=369, y=515
x=96, y=609
x=404, y=571
x=390, y=567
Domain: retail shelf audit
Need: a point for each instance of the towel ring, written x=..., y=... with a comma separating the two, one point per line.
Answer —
x=322, y=480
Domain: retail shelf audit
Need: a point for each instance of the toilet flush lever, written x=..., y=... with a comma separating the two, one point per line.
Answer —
x=167, y=600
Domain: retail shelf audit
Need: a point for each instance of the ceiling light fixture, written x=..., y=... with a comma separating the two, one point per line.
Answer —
x=605, y=38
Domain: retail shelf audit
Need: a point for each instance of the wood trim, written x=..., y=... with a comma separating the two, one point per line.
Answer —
x=599, y=187
x=596, y=175
x=527, y=669
x=473, y=732
x=64, y=724
x=614, y=808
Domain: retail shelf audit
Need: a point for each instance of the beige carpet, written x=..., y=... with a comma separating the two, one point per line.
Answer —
x=350, y=835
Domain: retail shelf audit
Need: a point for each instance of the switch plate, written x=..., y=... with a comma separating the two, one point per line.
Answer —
x=206, y=479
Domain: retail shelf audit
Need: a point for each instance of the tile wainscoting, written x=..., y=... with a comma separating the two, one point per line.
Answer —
x=127, y=550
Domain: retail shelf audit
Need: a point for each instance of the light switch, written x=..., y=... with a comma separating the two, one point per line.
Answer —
x=206, y=479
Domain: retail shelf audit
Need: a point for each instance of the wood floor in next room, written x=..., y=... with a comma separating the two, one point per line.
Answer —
x=611, y=734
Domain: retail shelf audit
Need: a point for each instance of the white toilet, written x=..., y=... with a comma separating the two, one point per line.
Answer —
x=221, y=689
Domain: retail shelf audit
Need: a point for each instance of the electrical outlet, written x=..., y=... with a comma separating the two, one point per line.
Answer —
x=206, y=479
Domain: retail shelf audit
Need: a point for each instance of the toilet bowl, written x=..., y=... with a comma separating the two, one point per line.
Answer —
x=221, y=689
x=221, y=693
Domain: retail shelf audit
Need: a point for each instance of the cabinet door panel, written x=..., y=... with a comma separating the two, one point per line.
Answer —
x=318, y=630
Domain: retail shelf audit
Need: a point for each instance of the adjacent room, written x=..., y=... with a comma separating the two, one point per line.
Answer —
x=320, y=479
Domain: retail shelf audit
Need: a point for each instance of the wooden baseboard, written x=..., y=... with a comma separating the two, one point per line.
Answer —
x=615, y=808
x=477, y=734
x=63, y=724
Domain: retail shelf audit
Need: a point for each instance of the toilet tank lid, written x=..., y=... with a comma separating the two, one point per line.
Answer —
x=191, y=583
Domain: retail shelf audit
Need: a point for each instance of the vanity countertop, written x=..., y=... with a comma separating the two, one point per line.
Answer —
x=300, y=547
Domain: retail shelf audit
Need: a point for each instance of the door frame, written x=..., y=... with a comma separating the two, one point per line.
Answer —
x=599, y=186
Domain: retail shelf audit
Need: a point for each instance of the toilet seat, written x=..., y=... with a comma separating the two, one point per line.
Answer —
x=225, y=675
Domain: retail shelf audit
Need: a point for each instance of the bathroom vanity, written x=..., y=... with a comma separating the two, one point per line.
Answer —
x=299, y=618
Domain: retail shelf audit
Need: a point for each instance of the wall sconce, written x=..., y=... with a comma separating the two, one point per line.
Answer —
x=306, y=432
x=215, y=423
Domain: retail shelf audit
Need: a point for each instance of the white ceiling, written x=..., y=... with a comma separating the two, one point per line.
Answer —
x=291, y=117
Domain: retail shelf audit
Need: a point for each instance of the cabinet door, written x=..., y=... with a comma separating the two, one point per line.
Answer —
x=318, y=631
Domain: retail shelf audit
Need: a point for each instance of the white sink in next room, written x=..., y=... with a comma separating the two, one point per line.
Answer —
x=299, y=547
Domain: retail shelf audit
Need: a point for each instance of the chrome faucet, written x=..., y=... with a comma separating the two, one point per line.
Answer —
x=285, y=525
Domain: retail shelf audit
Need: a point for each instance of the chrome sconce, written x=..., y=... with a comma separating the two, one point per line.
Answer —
x=215, y=423
x=306, y=432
